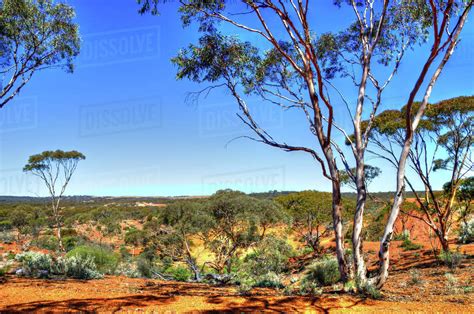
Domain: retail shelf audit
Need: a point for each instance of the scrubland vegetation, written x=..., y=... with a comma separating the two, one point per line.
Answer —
x=280, y=241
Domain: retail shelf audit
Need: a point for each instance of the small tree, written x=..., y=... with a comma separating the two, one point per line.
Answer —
x=442, y=142
x=186, y=220
x=310, y=213
x=55, y=169
x=34, y=35
x=237, y=223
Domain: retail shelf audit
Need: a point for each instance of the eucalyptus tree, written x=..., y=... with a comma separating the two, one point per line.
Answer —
x=289, y=65
x=237, y=223
x=310, y=215
x=187, y=220
x=442, y=141
x=55, y=169
x=34, y=35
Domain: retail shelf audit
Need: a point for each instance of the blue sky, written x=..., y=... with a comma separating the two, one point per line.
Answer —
x=125, y=111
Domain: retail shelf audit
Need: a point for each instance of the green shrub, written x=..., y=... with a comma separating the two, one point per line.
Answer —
x=179, y=273
x=271, y=255
x=371, y=291
x=81, y=267
x=408, y=245
x=105, y=260
x=415, y=277
x=144, y=268
x=5, y=225
x=325, y=272
x=309, y=287
x=6, y=237
x=451, y=259
x=34, y=264
x=270, y=280
x=47, y=242
x=451, y=283
x=466, y=232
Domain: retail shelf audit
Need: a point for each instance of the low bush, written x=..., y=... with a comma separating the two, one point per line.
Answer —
x=6, y=237
x=325, y=272
x=371, y=291
x=46, y=242
x=81, y=267
x=408, y=245
x=179, y=273
x=271, y=255
x=35, y=264
x=451, y=259
x=415, y=277
x=105, y=259
x=269, y=280
x=466, y=232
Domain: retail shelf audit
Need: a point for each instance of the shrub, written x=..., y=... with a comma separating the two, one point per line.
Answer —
x=6, y=237
x=105, y=260
x=408, y=245
x=270, y=280
x=35, y=264
x=451, y=283
x=451, y=259
x=144, y=268
x=371, y=291
x=415, y=277
x=81, y=267
x=128, y=269
x=245, y=288
x=309, y=287
x=179, y=273
x=5, y=225
x=271, y=255
x=325, y=272
x=46, y=242
x=466, y=232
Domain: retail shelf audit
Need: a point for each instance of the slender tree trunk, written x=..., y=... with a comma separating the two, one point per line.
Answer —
x=357, y=252
x=338, y=230
x=388, y=232
x=60, y=240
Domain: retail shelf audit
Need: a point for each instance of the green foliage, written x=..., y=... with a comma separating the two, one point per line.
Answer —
x=105, y=260
x=310, y=213
x=34, y=35
x=348, y=178
x=6, y=237
x=451, y=259
x=370, y=291
x=35, y=263
x=415, y=277
x=45, y=159
x=46, y=242
x=271, y=256
x=408, y=245
x=269, y=280
x=466, y=232
x=179, y=273
x=82, y=267
x=325, y=272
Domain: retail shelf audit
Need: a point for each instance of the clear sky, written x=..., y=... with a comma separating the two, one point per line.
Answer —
x=125, y=111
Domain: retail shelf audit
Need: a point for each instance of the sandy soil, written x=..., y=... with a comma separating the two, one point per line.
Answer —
x=112, y=294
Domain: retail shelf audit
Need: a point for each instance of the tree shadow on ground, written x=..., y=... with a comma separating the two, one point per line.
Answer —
x=89, y=305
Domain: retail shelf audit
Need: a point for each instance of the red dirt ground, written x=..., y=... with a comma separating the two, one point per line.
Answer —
x=112, y=294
